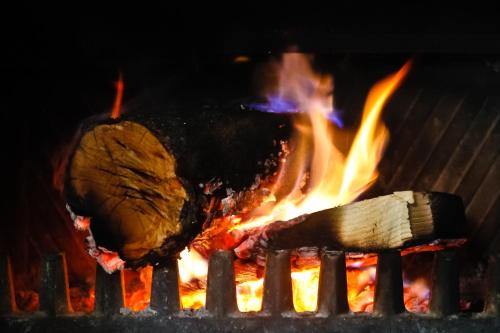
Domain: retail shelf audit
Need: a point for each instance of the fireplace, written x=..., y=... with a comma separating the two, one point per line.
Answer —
x=443, y=123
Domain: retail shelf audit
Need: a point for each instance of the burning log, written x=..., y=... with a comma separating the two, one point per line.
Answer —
x=142, y=178
x=397, y=220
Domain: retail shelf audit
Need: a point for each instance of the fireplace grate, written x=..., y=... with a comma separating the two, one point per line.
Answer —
x=221, y=313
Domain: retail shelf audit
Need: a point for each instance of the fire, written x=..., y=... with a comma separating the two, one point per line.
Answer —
x=310, y=182
x=361, y=279
x=193, y=267
x=314, y=175
x=361, y=288
x=249, y=295
x=138, y=288
x=305, y=285
x=115, y=112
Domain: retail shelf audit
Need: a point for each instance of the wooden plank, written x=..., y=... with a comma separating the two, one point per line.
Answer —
x=391, y=221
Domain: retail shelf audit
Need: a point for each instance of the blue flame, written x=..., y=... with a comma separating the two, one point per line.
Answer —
x=277, y=104
x=335, y=118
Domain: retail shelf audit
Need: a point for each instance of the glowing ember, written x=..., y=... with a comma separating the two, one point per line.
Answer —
x=361, y=288
x=416, y=295
x=138, y=288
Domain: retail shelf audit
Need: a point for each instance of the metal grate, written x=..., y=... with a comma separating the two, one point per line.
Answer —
x=277, y=315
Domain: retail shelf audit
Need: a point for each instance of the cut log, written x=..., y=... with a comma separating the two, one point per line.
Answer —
x=397, y=220
x=141, y=178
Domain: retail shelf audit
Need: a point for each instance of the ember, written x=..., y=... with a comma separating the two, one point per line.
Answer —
x=138, y=288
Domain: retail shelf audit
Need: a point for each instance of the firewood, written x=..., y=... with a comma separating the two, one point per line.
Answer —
x=143, y=178
x=397, y=220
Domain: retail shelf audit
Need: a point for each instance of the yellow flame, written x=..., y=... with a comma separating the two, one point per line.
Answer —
x=195, y=299
x=249, y=295
x=315, y=176
x=192, y=265
x=305, y=285
x=367, y=148
x=334, y=179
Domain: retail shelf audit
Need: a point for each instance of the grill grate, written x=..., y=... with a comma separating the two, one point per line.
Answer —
x=221, y=314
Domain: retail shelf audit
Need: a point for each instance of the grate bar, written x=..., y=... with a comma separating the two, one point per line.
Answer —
x=7, y=291
x=165, y=299
x=332, y=292
x=277, y=284
x=221, y=291
x=54, y=287
x=445, y=295
x=492, y=306
x=109, y=298
x=389, y=284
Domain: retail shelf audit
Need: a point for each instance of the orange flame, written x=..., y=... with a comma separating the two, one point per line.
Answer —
x=333, y=179
x=315, y=176
x=138, y=287
x=115, y=112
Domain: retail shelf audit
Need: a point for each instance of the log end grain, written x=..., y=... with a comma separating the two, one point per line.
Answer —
x=125, y=179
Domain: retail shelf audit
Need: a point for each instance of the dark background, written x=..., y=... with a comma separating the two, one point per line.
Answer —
x=59, y=66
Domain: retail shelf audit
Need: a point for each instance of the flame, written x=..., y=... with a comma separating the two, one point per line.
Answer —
x=309, y=182
x=193, y=267
x=361, y=288
x=332, y=178
x=305, y=282
x=249, y=295
x=305, y=285
x=115, y=112
x=416, y=295
x=314, y=175
x=138, y=288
